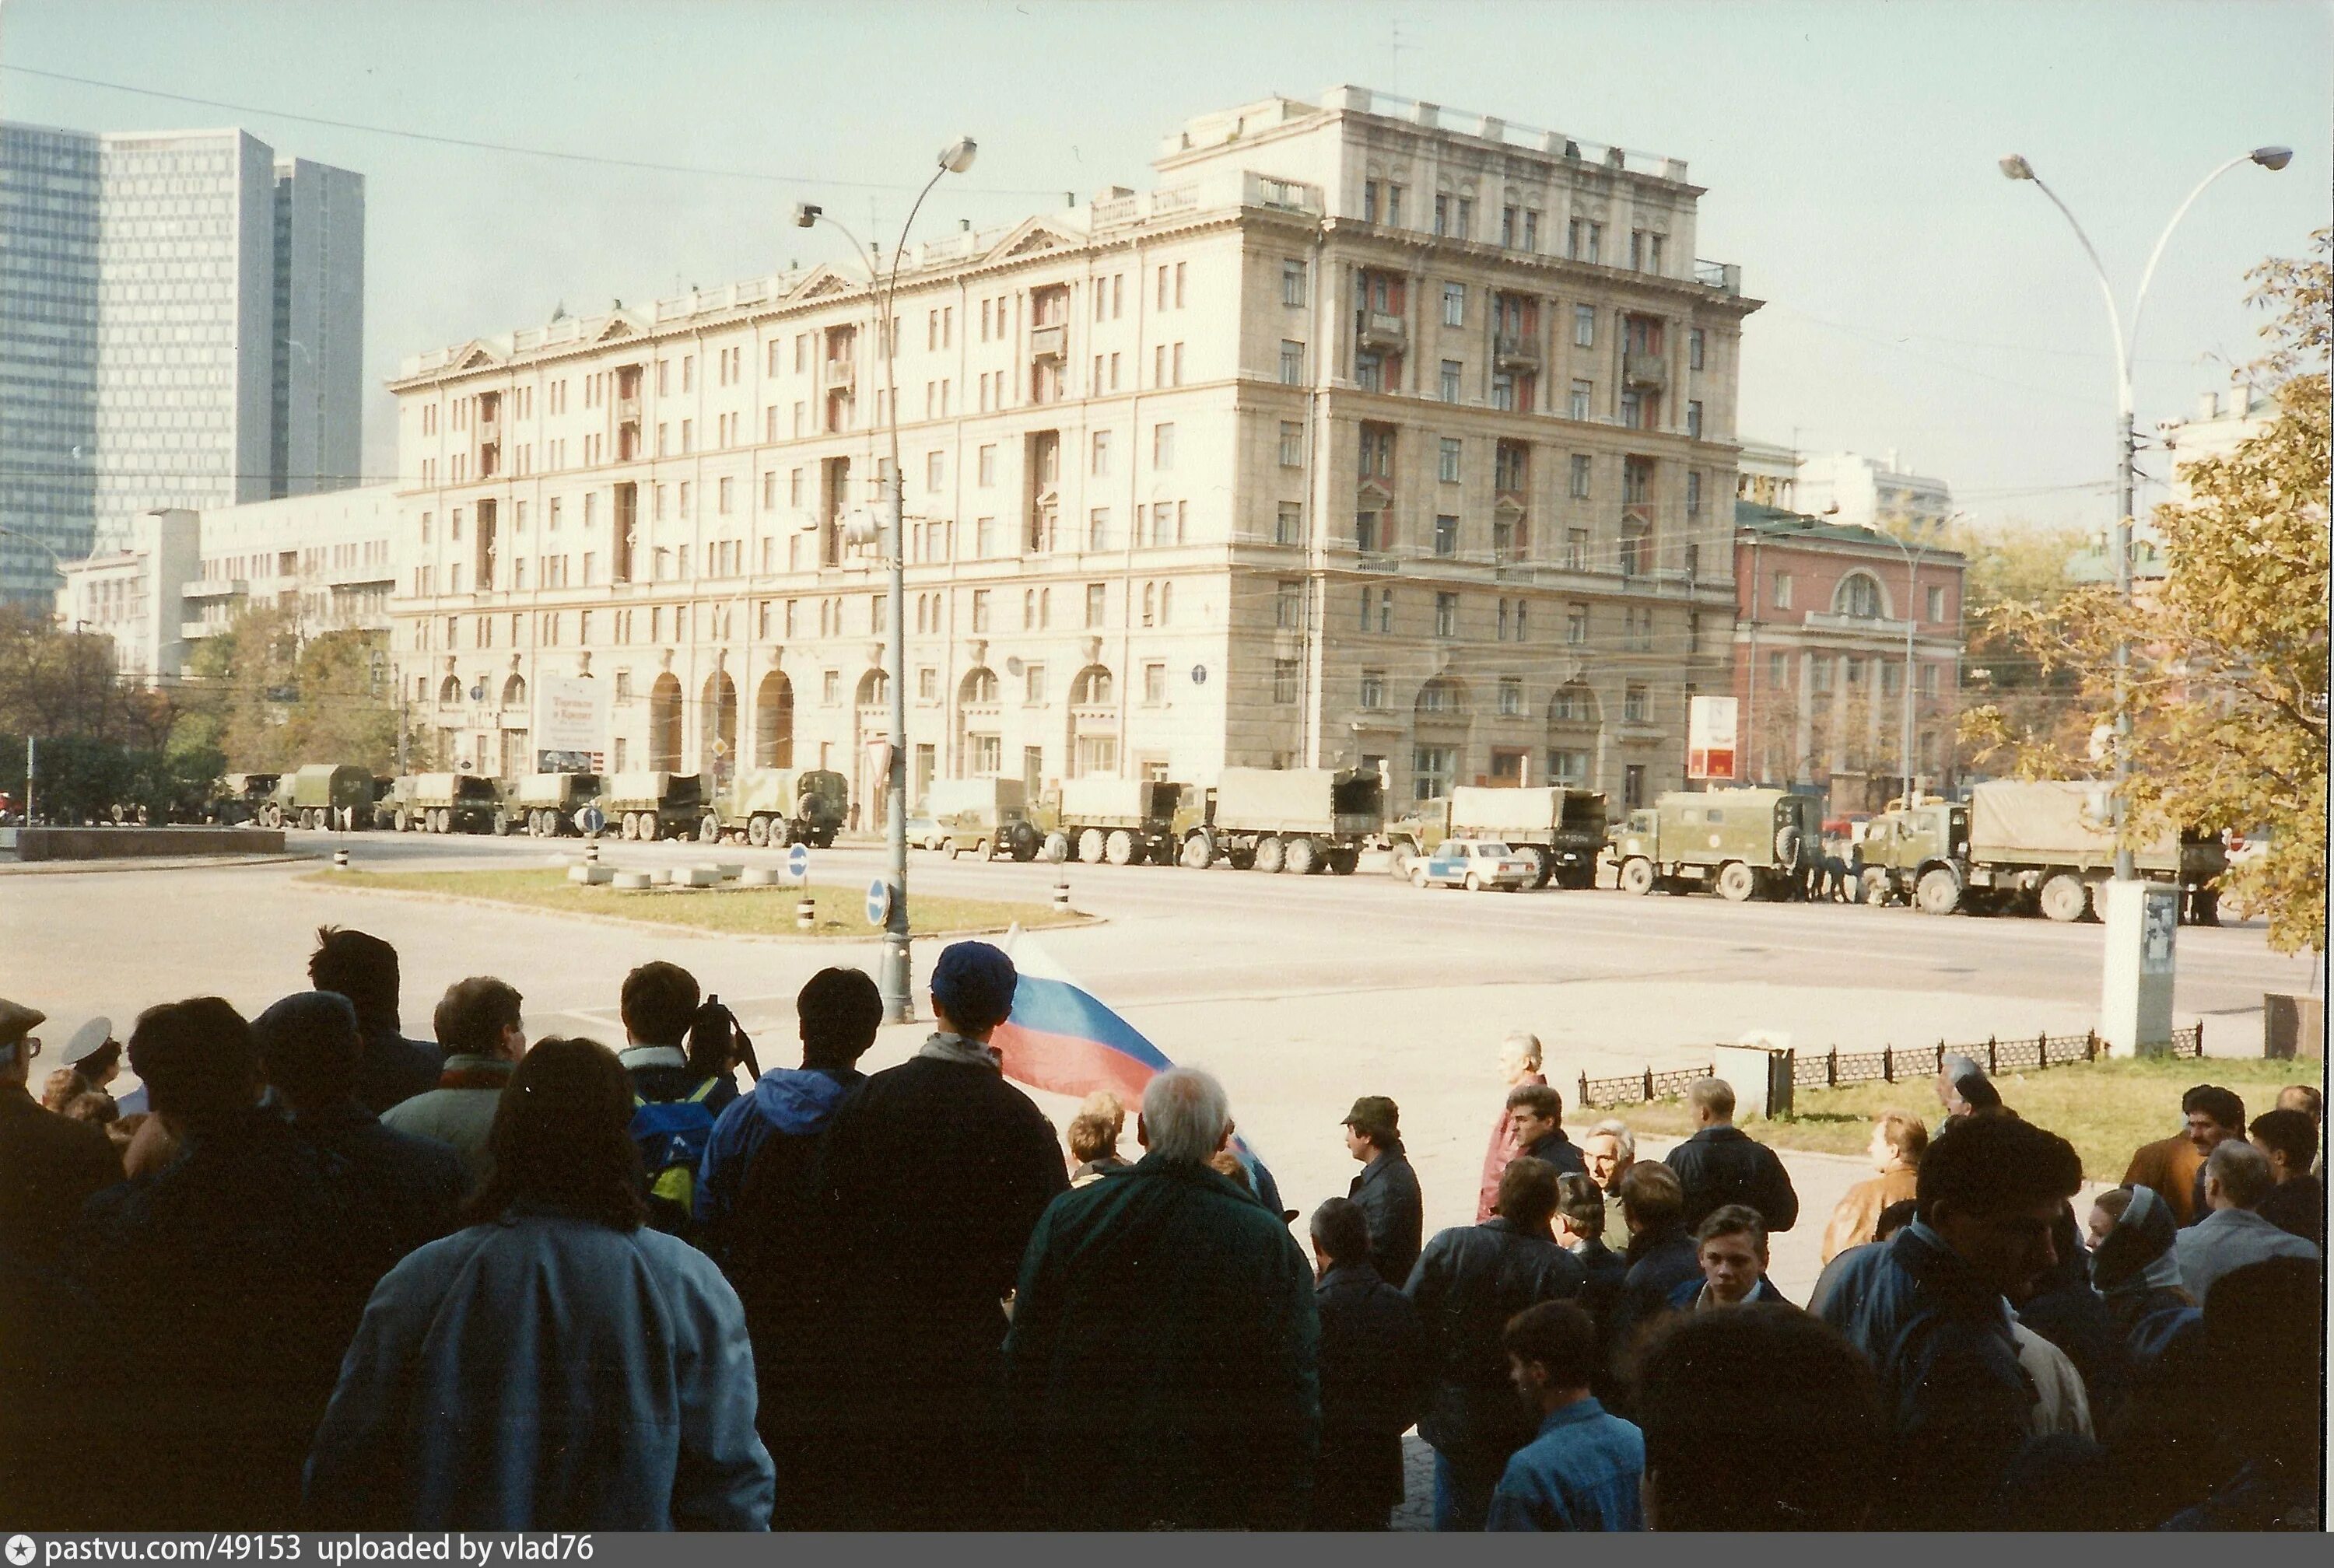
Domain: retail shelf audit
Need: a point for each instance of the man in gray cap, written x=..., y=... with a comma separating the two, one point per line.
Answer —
x=932, y=1178
x=49, y=1164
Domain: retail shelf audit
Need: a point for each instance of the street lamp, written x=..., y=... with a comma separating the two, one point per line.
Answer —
x=2015, y=167
x=1925, y=533
x=899, y=1004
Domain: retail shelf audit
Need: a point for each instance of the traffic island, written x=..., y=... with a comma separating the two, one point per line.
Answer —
x=126, y=844
x=728, y=908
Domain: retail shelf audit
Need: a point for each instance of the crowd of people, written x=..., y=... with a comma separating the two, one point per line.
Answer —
x=328, y=1275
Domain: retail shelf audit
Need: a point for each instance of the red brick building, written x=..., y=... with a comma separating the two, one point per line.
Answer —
x=1820, y=657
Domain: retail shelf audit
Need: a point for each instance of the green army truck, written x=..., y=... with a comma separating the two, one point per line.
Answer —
x=649, y=806
x=1124, y=821
x=988, y=817
x=250, y=797
x=1743, y=844
x=1300, y=820
x=2025, y=847
x=542, y=805
x=326, y=794
x=1561, y=832
x=777, y=806
x=445, y=802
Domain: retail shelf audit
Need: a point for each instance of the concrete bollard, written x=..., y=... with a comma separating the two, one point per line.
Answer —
x=341, y=860
x=805, y=914
x=633, y=881
x=1062, y=896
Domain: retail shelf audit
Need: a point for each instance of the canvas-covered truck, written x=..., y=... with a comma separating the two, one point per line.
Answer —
x=1561, y=830
x=778, y=806
x=654, y=805
x=988, y=817
x=1742, y=843
x=327, y=794
x=1124, y=821
x=445, y=802
x=248, y=797
x=2023, y=846
x=542, y=805
x=1300, y=820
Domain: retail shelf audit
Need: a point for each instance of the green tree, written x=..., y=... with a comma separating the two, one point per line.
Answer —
x=2228, y=676
x=271, y=699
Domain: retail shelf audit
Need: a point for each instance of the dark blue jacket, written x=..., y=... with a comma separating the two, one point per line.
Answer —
x=1560, y=1152
x=1956, y=1400
x=391, y=1069
x=1688, y=1291
x=1658, y=1261
x=417, y=1183
x=1375, y=1379
x=1387, y=1192
x=1468, y=1282
x=1722, y=1165
x=791, y=1101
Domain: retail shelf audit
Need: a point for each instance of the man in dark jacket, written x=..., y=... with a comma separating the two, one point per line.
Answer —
x=1720, y=1164
x=1468, y=1282
x=2297, y=1204
x=1387, y=1188
x=235, y=1279
x=1933, y=1316
x=363, y=968
x=309, y=1049
x=1162, y=1367
x=1374, y=1376
x=49, y=1164
x=932, y=1178
x=1661, y=1257
x=1537, y=1112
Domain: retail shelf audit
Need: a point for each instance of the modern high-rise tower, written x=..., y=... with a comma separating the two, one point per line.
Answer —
x=182, y=325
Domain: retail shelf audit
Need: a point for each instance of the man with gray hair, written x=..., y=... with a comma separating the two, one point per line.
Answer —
x=2237, y=1176
x=1519, y=1066
x=1609, y=1150
x=1161, y=1369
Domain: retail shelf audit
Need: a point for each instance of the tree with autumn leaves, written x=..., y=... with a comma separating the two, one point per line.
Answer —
x=2227, y=684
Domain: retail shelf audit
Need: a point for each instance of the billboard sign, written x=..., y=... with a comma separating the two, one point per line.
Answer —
x=1710, y=737
x=570, y=723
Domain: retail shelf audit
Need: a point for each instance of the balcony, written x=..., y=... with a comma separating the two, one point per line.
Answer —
x=490, y=429
x=1049, y=343
x=1645, y=371
x=1726, y=277
x=840, y=376
x=628, y=410
x=1383, y=332
x=1516, y=351
x=217, y=588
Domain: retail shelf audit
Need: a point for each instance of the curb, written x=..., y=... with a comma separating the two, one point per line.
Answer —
x=133, y=863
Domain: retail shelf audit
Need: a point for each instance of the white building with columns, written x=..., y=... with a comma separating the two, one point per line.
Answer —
x=1376, y=434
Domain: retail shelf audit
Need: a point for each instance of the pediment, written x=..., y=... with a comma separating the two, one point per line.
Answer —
x=1034, y=237
x=826, y=283
x=1373, y=494
x=476, y=355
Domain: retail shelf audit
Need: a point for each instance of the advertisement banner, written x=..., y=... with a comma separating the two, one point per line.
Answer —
x=570, y=723
x=1710, y=737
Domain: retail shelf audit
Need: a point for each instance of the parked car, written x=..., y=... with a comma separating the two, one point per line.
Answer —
x=924, y=833
x=1474, y=864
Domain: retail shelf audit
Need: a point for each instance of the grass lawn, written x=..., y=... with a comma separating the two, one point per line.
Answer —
x=734, y=910
x=2105, y=1109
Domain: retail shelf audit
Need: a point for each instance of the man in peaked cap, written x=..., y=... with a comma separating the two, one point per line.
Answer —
x=48, y=1164
x=1387, y=1188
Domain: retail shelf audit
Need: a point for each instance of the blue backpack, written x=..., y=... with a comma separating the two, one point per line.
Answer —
x=672, y=1135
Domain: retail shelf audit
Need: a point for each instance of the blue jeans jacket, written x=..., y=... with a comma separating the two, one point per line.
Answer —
x=1581, y=1473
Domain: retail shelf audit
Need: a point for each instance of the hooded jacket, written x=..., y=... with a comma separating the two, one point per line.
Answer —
x=791, y=1103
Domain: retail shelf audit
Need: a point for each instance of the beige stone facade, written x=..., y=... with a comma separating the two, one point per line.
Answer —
x=1358, y=440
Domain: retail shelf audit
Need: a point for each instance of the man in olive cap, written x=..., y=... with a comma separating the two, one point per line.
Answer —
x=48, y=1164
x=1387, y=1188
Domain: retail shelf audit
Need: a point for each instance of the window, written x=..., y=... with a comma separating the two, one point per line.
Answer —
x=1779, y=673
x=1567, y=767
x=1292, y=444
x=1693, y=420
x=1576, y=485
x=1292, y=362
x=1447, y=460
x=1454, y=305
x=1446, y=615
x=1583, y=326
x=1783, y=591
x=988, y=465
x=1154, y=685
x=1636, y=704
x=1577, y=406
x=1449, y=391
x=1928, y=680
x=1693, y=490
x=723, y=493
x=1441, y=214
x=1503, y=390
x=1576, y=625
x=1431, y=767
x=1393, y=206
x=935, y=470
x=1100, y=461
x=1936, y=604
x=1033, y=684
x=1288, y=606
x=1446, y=535
x=1162, y=445
x=1385, y=610
x=1511, y=696
x=1501, y=633
x=985, y=754
x=1858, y=597
x=1822, y=671
x=1531, y=229
x=1288, y=526
x=1374, y=688
x=1284, y=680
x=1507, y=228
x=1693, y=348
x=1097, y=600
x=1462, y=223
x=981, y=610
x=1292, y=283
x=1098, y=528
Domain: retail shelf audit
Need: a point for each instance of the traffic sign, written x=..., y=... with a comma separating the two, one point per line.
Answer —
x=591, y=820
x=879, y=901
x=798, y=862
x=1199, y=675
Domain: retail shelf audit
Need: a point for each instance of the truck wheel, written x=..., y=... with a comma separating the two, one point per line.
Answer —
x=1271, y=854
x=1399, y=862
x=757, y=832
x=1342, y=862
x=398, y=824
x=1876, y=891
x=1418, y=875
x=651, y=827
x=1198, y=852
x=2065, y=897
x=1090, y=847
x=274, y=816
x=1058, y=848
x=1301, y=856
x=1737, y=883
x=1543, y=864
x=1637, y=876
x=1023, y=846
x=1118, y=849
x=1939, y=892
x=1787, y=847
x=709, y=830
x=502, y=825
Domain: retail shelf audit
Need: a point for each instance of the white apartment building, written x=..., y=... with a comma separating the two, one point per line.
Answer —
x=1855, y=491
x=1376, y=435
x=186, y=575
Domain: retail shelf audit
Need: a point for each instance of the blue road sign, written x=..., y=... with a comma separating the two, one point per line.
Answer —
x=879, y=901
x=798, y=862
x=591, y=820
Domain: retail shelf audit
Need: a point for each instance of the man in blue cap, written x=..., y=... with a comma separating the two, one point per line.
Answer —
x=933, y=1176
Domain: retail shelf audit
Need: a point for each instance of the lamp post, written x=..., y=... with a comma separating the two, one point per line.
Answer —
x=899, y=1004
x=1912, y=550
x=2015, y=167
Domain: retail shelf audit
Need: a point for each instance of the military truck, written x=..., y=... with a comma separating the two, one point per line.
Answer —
x=542, y=805
x=1561, y=830
x=1124, y=821
x=2023, y=846
x=1743, y=844
x=1300, y=820
x=655, y=805
x=779, y=806
x=249, y=798
x=983, y=816
x=321, y=791
x=445, y=802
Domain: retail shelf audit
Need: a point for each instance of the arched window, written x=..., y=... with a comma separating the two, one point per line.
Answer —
x=874, y=690
x=1093, y=687
x=1859, y=596
x=1149, y=604
x=514, y=692
x=450, y=689
x=979, y=688
x=1446, y=697
x=1166, y=604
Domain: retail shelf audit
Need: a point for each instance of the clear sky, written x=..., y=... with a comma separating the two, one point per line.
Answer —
x=1917, y=302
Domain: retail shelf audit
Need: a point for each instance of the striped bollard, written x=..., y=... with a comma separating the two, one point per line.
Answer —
x=1062, y=896
x=341, y=860
x=591, y=851
x=805, y=914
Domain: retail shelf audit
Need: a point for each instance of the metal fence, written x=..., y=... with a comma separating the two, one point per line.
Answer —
x=1889, y=1064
